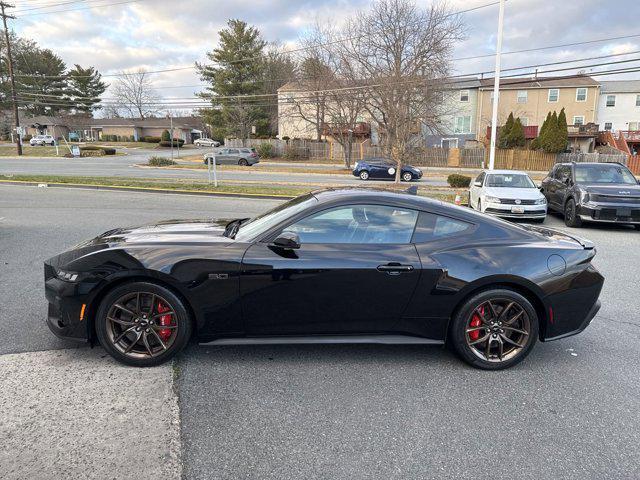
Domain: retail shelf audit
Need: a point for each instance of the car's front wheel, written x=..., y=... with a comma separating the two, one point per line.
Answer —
x=364, y=175
x=142, y=324
x=571, y=218
x=494, y=329
x=407, y=177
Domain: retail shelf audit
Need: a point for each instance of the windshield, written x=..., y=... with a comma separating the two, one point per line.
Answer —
x=604, y=173
x=509, y=181
x=250, y=230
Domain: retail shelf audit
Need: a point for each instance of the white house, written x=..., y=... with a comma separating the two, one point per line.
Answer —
x=619, y=105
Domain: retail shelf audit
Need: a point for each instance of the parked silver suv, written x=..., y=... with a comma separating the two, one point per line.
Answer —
x=233, y=156
x=42, y=140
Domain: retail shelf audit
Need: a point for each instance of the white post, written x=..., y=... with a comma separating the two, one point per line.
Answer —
x=496, y=90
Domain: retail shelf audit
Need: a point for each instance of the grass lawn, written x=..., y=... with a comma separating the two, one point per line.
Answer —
x=29, y=151
x=202, y=186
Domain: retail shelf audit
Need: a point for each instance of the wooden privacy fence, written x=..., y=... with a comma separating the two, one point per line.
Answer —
x=634, y=164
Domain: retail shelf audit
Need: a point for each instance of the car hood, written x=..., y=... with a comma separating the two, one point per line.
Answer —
x=620, y=189
x=514, y=193
x=171, y=232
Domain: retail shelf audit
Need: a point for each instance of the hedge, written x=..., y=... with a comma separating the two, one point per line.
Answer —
x=160, y=162
x=176, y=143
x=96, y=148
x=150, y=139
x=458, y=181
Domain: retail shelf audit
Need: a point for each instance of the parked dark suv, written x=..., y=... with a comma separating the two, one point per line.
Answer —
x=595, y=192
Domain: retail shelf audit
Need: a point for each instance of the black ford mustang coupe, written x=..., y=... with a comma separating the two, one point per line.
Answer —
x=335, y=266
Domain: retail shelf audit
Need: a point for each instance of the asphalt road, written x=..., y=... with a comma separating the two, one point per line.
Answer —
x=570, y=410
x=125, y=166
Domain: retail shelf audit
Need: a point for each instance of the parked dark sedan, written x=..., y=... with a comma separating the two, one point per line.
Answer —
x=594, y=192
x=384, y=169
x=335, y=266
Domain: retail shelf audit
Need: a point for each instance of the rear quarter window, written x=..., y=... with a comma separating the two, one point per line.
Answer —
x=431, y=227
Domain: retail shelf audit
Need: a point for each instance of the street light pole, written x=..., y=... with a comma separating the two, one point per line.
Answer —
x=12, y=79
x=496, y=90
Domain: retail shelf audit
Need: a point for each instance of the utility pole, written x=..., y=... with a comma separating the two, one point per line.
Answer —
x=4, y=5
x=496, y=90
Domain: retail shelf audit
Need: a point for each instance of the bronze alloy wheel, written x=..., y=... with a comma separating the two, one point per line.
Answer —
x=498, y=330
x=141, y=325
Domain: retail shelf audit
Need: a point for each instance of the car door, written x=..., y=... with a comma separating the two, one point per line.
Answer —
x=551, y=185
x=562, y=177
x=354, y=272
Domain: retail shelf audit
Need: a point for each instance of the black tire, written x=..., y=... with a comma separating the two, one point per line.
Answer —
x=243, y=162
x=571, y=218
x=180, y=319
x=407, y=177
x=479, y=206
x=637, y=227
x=364, y=175
x=458, y=335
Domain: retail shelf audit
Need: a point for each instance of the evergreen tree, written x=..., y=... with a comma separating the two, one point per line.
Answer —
x=505, y=131
x=537, y=142
x=551, y=141
x=41, y=81
x=84, y=89
x=563, y=133
x=236, y=70
x=516, y=136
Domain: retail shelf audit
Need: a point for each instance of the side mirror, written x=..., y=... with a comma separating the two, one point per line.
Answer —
x=287, y=241
x=477, y=184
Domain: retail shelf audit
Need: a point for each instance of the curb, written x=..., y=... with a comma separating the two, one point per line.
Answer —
x=88, y=186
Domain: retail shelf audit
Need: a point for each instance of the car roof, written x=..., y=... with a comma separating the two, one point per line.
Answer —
x=506, y=172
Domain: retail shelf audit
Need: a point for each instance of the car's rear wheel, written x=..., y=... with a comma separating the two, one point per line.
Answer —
x=571, y=218
x=142, y=324
x=637, y=227
x=494, y=329
x=407, y=177
x=243, y=162
x=364, y=175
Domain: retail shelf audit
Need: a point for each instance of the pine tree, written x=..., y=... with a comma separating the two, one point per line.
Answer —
x=563, y=133
x=516, y=136
x=550, y=141
x=236, y=71
x=537, y=142
x=42, y=82
x=505, y=131
x=84, y=89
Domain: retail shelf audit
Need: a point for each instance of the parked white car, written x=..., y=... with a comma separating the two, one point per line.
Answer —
x=42, y=140
x=206, y=142
x=508, y=194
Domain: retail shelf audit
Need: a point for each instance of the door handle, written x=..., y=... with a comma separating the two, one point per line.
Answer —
x=395, y=268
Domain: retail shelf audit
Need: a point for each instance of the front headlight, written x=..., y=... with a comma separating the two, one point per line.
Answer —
x=67, y=276
x=355, y=167
x=541, y=201
x=585, y=196
x=492, y=200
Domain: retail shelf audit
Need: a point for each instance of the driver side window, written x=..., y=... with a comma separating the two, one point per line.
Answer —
x=367, y=224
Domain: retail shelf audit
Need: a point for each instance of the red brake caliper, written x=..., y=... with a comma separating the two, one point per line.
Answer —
x=164, y=320
x=476, y=322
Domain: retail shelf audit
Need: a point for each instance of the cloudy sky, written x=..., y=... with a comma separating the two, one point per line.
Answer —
x=162, y=34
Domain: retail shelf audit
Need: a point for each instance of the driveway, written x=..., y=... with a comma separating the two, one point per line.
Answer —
x=570, y=410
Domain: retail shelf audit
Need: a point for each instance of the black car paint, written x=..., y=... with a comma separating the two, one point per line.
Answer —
x=251, y=288
x=619, y=197
x=378, y=168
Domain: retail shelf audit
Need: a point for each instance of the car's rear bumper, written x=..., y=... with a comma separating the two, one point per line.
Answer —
x=610, y=213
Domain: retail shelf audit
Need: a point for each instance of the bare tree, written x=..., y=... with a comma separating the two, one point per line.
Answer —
x=401, y=55
x=134, y=94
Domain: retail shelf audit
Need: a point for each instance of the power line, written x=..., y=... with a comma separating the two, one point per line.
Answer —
x=81, y=8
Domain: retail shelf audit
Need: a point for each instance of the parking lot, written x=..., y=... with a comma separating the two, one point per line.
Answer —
x=570, y=410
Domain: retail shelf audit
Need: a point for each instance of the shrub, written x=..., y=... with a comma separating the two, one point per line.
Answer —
x=290, y=152
x=109, y=138
x=166, y=136
x=265, y=150
x=151, y=139
x=160, y=162
x=109, y=150
x=458, y=181
x=96, y=151
x=286, y=138
x=176, y=143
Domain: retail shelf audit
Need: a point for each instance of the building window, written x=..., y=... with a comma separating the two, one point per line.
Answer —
x=554, y=94
x=578, y=120
x=608, y=126
x=637, y=100
x=611, y=100
x=633, y=126
x=464, y=95
x=522, y=96
x=581, y=94
x=524, y=121
x=462, y=124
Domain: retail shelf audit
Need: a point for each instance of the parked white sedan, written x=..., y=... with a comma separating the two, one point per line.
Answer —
x=206, y=142
x=508, y=194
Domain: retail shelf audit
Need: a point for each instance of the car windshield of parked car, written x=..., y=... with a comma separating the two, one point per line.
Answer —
x=357, y=224
x=602, y=173
x=509, y=181
x=256, y=226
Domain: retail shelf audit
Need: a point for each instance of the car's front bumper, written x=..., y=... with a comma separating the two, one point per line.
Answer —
x=623, y=213
x=67, y=310
x=530, y=212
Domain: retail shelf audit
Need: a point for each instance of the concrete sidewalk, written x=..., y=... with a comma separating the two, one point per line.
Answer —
x=79, y=414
